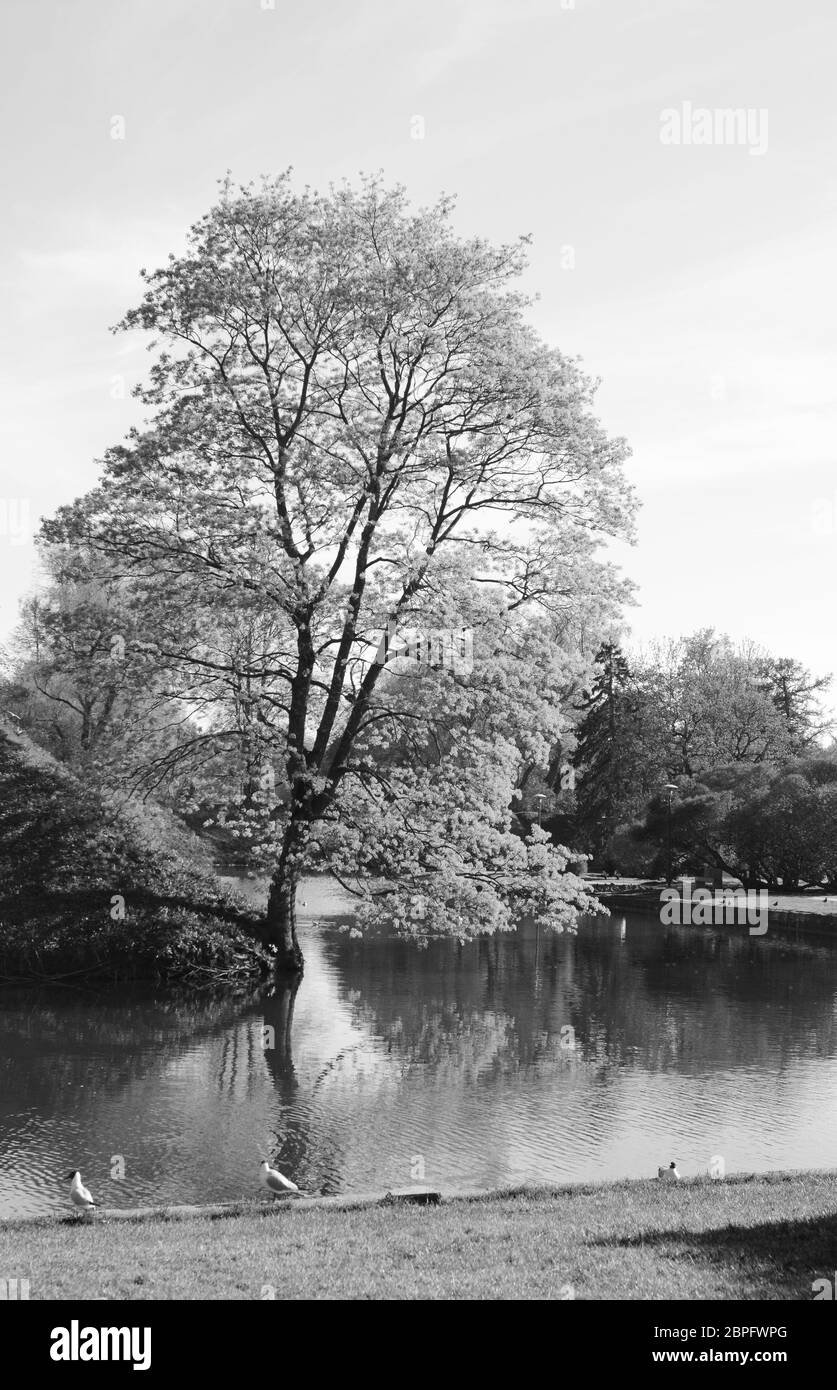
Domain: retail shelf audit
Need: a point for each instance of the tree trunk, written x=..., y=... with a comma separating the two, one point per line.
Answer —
x=281, y=900
x=281, y=922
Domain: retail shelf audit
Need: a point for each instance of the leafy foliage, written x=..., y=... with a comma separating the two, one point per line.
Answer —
x=700, y=713
x=770, y=826
x=354, y=428
x=88, y=883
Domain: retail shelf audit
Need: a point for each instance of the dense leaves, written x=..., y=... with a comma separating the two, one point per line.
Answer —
x=770, y=826
x=718, y=721
x=89, y=884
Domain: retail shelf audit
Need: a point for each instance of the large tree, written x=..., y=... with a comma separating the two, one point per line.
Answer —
x=345, y=396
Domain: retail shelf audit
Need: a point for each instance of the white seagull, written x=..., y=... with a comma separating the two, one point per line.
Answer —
x=669, y=1174
x=79, y=1195
x=275, y=1181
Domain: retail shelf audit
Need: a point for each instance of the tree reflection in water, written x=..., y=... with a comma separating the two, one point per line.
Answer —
x=519, y=1056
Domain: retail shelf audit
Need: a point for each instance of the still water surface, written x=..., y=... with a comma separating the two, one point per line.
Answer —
x=688, y=1043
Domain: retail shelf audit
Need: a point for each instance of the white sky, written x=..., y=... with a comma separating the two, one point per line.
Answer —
x=703, y=290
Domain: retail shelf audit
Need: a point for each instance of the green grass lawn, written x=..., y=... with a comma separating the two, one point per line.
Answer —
x=742, y=1238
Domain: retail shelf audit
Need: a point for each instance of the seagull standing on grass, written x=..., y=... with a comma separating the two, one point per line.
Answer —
x=79, y=1195
x=275, y=1181
x=669, y=1174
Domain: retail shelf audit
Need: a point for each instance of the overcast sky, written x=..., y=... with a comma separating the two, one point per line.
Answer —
x=696, y=279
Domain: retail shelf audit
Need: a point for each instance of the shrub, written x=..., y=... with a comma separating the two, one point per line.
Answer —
x=71, y=856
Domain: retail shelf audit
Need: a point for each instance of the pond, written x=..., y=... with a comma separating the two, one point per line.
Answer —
x=526, y=1057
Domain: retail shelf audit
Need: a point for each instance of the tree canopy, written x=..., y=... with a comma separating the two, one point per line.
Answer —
x=354, y=429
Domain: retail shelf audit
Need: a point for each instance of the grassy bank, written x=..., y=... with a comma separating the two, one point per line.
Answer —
x=743, y=1238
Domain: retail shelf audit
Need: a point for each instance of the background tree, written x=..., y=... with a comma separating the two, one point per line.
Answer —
x=620, y=753
x=772, y=827
x=82, y=678
x=797, y=696
x=720, y=705
x=689, y=711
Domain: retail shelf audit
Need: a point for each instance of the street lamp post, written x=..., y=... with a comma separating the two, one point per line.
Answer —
x=670, y=788
x=540, y=798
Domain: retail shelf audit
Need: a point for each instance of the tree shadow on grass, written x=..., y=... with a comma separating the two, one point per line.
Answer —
x=778, y=1259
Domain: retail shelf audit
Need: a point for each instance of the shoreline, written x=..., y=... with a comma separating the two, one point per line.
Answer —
x=412, y=1196
x=746, y=1236
x=793, y=921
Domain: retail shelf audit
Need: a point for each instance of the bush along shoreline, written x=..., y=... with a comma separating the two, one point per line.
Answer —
x=95, y=886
